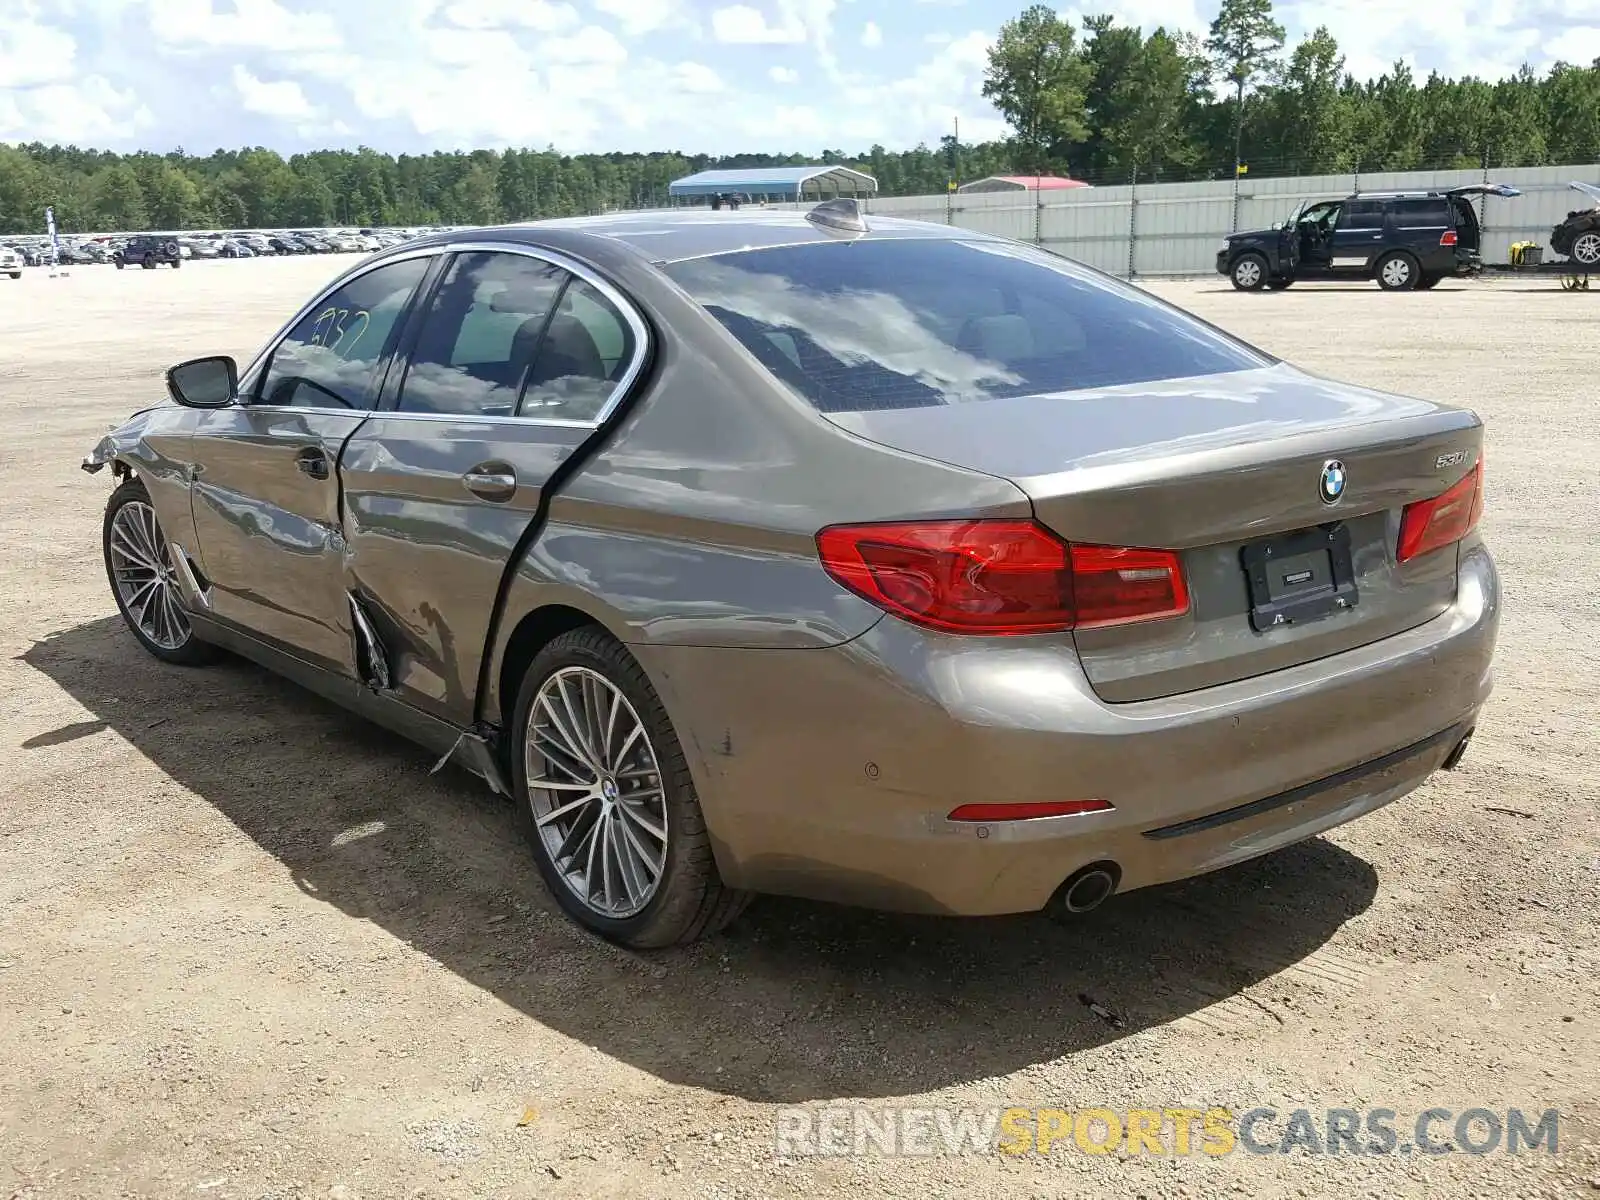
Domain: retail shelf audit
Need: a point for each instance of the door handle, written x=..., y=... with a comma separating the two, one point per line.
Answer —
x=493, y=481
x=312, y=462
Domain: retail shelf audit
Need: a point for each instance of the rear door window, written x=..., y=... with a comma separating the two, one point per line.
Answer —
x=914, y=322
x=1362, y=214
x=482, y=330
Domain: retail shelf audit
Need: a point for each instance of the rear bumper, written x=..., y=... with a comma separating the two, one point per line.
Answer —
x=829, y=773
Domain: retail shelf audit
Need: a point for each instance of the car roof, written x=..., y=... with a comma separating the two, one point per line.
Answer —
x=673, y=236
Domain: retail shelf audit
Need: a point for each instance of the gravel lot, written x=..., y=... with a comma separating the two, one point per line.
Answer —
x=250, y=948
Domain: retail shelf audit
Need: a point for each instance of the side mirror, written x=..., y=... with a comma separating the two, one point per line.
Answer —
x=205, y=382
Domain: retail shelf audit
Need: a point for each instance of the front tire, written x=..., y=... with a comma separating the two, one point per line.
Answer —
x=1398, y=272
x=143, y=582
x=1249, y=273
x=1586, y=248
x=607, y=801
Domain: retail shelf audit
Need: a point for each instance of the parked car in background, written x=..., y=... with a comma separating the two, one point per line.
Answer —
x=1578, y=237
x=11, y=262
x=996, y=585
x=149, y=252
x=199, y=247
x=1403, y=240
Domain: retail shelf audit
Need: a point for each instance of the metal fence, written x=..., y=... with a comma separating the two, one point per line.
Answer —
x=1177, y=228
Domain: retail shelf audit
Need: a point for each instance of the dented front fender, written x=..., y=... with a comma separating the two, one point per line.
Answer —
x=121, y=444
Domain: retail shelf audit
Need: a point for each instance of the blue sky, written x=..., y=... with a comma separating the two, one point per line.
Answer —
x=695, y=75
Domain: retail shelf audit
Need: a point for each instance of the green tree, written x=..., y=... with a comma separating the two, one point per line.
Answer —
x=118, y=200
x=1309, y=115
x=1244, y=43
x=1155, y=100
x=1036, y=79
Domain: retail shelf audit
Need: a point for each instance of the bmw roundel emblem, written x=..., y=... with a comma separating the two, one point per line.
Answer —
x=1331, y=487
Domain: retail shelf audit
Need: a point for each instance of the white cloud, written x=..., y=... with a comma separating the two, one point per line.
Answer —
x=871, y=35
x=264, y=24
x=697, y=79
x=1578, y=45
x=282, y=98
x=741, y=25
x=545, y=16
x=32, y=53
x=591, y=44
x=783, y=75
x=86, y=113
x=636, y=17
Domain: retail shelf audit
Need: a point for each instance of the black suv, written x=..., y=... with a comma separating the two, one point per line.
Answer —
x=1404, y=240
x=149, y=252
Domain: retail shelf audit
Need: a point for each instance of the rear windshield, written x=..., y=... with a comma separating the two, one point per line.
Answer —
x=912, y=322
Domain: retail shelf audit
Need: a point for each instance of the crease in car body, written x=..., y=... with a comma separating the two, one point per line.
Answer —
x=672, y=549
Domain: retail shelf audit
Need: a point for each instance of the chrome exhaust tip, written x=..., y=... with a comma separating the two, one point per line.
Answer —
x=1453, y=759
x=1086, y=889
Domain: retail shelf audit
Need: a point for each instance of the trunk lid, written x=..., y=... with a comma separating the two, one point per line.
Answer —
x=1219, y=468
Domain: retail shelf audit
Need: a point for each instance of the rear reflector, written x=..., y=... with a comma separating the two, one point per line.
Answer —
x=1000, y=577
x=1027, y=812
x=1449, y=238
x=1430, y=525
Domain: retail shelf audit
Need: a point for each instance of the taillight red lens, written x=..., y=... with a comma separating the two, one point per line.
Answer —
x=1449, y=238
x=1112, y=586
x=1028, y=811
x=1430, y=525
x=1000, y=577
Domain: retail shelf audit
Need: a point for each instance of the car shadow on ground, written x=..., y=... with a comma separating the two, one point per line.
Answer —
x=799, y=1001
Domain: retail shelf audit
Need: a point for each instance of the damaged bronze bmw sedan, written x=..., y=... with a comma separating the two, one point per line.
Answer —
x=821, y=554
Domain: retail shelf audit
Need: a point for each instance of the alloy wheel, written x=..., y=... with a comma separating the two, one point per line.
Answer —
x=141, y=566
x=1586, y=249
x=596, y=791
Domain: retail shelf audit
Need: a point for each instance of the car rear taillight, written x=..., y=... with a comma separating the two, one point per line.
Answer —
x=1000, y=577
x=1448, y=238
x=1430, y=525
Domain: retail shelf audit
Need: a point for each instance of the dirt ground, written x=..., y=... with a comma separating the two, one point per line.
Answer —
x=250, y=948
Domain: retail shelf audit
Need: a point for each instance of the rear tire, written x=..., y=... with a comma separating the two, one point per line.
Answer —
x=1279, y=285
x=1398, y=272
x=139, y=568
x=147, y=264
x=1586, y=248
x=1428, y=282
x=628, y=795
x=1249, y=273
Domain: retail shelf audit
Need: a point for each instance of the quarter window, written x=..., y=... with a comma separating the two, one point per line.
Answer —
x=582, y=358
x=483, y=328
x=330, y=358
x=1429, y=212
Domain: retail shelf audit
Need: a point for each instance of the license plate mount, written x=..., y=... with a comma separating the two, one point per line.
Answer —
x=1300, y=577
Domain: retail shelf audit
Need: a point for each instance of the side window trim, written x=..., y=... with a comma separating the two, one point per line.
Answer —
x=256, y=373
x=399, y=364
x=643, y=337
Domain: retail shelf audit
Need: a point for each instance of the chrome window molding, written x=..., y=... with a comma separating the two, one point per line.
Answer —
x=642, y=341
